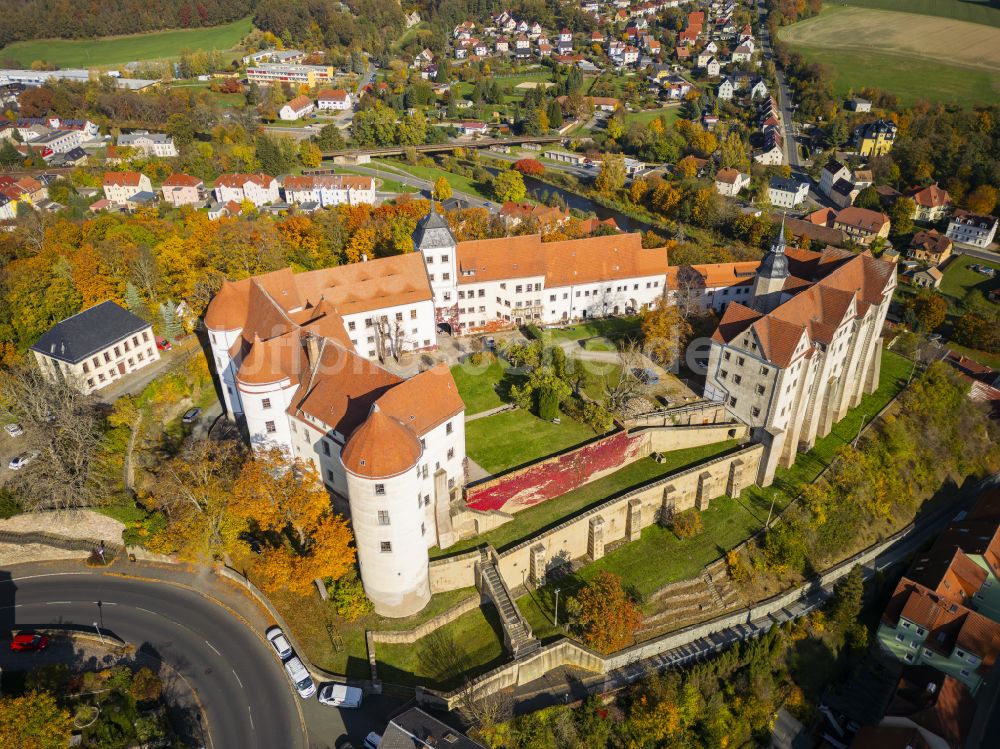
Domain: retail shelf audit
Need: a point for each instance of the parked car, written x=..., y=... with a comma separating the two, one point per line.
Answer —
x=26, y=642
x=20, y=461
x=372, y=740
x=163, y=344
x=279, y=642
x=191, y=415
x=14, y=430
x=340, y=695
x=646, y=376
x=300, y=677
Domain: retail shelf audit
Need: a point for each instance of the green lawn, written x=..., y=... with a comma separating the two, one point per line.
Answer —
x=466, y=647
x=648, y=115
x=83, y=53
x=907, y=78
x=382, y=183
x=961, y=10
x=959, y=279
x=224, y=100
x=477, y=386
x=457, y=181
x=554, y=511
x=506, y=440
x=610, y=327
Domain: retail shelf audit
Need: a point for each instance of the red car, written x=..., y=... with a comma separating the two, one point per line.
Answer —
x=29, y=641
x=163, y=344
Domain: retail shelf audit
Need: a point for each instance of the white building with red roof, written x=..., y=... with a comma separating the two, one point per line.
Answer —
x=803, y=348
x=119, y=187
x=330, y=189
x=182, y=189
x=336, y=99
x=260, y=189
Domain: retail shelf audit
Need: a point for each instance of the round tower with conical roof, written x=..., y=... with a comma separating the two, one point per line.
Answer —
x=380, y=460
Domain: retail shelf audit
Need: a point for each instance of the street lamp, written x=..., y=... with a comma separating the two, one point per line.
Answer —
x=99, y=633
x=861, y=428
x=774, y=497
x=555, y=616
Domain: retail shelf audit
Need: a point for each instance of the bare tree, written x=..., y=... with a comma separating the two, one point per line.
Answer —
x=690, y=291
x=65, y=428
x=622, y=386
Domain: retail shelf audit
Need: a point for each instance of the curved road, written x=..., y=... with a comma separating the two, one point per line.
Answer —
x=243, y=689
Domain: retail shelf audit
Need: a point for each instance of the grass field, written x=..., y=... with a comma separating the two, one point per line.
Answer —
x=648, y=115
x=110, y=51
x=509, y=439
x=960, y=10
x=431, y=173
x=917, y=56
x=959, y=279
x=478, y=386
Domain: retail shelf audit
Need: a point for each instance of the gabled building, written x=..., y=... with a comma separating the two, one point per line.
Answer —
x=930, y=247
x=150, y=144
x=182, y=189
x=730, y=182
x=803, y=348
x=327, y=190
x=120, y=187
x=96, y=347
x=297, y=108
x=785, y=192
x=971, y=229
x=259, y=189
x=336, y=99
x=931, y=203
x=861, y=224
x=876, y=138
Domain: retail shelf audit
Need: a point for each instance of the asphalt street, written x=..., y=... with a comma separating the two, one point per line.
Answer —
x=241, y=685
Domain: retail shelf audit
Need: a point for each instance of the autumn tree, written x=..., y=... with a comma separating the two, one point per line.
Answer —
x=611, y=178
x=901, y=216
x=532, y=167
x=442, y=188
x=509, y=186
x=194, y=490
x=66, y=430
x=664, y=330
x=34, y=721
x=982, y=200
x=310, y=155
x=928, y=309
x=604, y=615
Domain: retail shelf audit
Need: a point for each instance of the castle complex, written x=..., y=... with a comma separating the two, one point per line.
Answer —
x=299, y=361
x=802, y=348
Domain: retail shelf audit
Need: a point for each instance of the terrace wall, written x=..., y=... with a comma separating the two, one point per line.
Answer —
x=621, y=517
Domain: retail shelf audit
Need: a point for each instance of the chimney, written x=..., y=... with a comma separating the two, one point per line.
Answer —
x=314, y=345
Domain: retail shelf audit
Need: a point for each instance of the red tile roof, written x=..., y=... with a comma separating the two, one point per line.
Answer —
x=381, y=447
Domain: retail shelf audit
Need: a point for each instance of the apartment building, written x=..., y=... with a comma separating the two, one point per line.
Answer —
x=121, y=187
x=971, y=229
x=150, y=144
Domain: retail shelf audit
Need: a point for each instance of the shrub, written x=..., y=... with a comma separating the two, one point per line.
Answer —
x=687, y=524
x=533, y=331
x=548, y=404
x=482, y=358
x=348, y=597
x=735, y=566
x=9, y=504
x=146, y=686
x=597, y=417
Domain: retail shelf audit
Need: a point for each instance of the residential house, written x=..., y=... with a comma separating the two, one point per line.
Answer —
x=861, y=224
x=771, y=154
x=730, y=182
x=634, y=167
x=183, y=189
x=931, y=204
x=327, y=190
x=744, y=52
x=96, y=347
x=876, y=138
x=119, y=187
x=725, y=90
x=971, y=229
x=927, y=278
x=547, y=216
x=930, y=247
x=786, y=193
x=758, y=90
x=297, y=108
x=336, y=99
x=473, y=128
x=843, y=193
x=415, y=729
x=259, y=189
x=832, y=173
x=713, y=67
x=859, y=105
x=150, y=144
x=58, y=141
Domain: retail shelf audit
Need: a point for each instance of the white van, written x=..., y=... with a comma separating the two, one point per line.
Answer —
x=303, y=682
x=340, y=695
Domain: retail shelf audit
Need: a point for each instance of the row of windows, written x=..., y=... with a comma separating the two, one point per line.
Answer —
x=444, y=277
x=118, y=352
x=101, y=377
x=369, y=322
x=472, y=293
x=430, y=259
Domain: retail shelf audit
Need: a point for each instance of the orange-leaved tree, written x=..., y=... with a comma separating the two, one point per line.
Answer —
x=606, y=616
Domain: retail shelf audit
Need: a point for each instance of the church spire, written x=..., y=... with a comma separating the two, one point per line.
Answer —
x=775, y=262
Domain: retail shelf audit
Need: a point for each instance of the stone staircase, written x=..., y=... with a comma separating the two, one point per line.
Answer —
x=518, y=637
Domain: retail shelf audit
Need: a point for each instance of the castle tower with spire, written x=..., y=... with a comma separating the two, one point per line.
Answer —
x=771, y=275
x=433, y=239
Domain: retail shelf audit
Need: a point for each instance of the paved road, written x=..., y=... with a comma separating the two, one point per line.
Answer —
x=241, y=685
x=976, y=253
x=425, y=186
x=784, y=96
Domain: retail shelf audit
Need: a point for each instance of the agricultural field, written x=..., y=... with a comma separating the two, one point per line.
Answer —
x=961, y=10
x=116, y=50
x=910, y=48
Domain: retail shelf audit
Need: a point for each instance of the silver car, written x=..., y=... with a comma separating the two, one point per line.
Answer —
x=279, y=642
x=14, y=430
x=20, y=461
x=300, y=677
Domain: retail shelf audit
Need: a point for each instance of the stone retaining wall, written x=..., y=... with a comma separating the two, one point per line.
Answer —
x=412, y=635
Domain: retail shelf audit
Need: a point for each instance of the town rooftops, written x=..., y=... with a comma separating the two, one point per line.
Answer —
x=711, y=275
x=239, y=180
x=861, y=218
x=415, y=729
x=332, y=94
x=575, y=261
x=937, y=703
x=785, y=184
x=931, y=196
x=126, y=139
x=123, y=179
x=727, y=175
x=972, y=219
x=87, y=332
x=329, y=182
x=178, y=179
x=299, y=103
